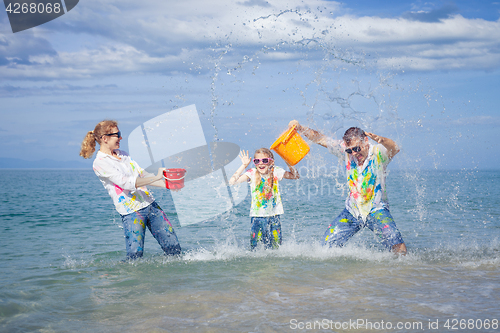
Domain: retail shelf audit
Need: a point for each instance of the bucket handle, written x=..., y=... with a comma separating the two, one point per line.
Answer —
x=291, y=131
x=175, y=179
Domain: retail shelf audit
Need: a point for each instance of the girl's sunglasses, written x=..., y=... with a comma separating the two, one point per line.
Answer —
x=263, y=160
x=356, y=149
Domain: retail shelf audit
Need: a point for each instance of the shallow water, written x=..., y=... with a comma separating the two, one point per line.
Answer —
x=62, y=265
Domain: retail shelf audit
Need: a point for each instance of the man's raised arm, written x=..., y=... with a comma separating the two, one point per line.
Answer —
x=313, y=135
x=390, y=145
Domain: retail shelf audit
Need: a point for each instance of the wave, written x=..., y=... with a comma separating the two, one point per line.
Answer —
x=467, y=255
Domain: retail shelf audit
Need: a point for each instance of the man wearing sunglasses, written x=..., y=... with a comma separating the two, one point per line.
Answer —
x=366, y=204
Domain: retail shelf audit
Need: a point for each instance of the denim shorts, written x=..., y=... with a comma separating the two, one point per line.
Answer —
x=266, y=230
x=153, y=217
x=345, y=226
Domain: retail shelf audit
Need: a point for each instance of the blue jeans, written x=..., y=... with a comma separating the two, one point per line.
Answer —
x=134, y=226
x=266, y=230
x=345, y=226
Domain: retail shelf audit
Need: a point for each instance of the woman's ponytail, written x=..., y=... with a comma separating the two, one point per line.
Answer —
x=88, y=145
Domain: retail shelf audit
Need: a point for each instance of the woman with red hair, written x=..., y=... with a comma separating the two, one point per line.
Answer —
x=126, y=183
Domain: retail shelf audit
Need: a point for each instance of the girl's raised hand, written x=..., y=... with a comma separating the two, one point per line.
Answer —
x=245, y=158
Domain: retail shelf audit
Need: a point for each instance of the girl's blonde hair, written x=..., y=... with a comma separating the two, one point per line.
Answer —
x=258, y=177
x=88, y=144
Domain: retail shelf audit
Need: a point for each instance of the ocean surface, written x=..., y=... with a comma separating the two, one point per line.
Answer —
x=62, y=266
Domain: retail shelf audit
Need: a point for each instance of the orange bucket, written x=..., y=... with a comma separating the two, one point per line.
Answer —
x=174, y=178
x=291, y=147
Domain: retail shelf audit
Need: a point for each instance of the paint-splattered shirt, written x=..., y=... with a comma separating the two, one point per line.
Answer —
x=367, y=192
x=264, y=201
x=118, y=177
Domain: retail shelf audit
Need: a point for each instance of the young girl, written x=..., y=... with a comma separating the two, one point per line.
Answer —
x=126, y=183
x=266, y=205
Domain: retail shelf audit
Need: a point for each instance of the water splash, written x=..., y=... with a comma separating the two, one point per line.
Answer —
x=329, y=88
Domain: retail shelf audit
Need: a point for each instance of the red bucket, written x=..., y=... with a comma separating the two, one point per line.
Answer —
x=174, y=178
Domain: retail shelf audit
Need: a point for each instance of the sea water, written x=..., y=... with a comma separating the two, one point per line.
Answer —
x=62, y=264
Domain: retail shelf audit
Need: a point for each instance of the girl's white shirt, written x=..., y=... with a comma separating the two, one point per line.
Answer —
x=262, y=204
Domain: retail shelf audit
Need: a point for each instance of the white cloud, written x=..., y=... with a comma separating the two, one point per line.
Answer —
x=477, y=120
x=102, y=61
x=164, y=37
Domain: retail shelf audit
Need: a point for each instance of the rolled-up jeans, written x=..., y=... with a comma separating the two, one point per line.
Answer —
x=266, y=230
x=345, y=226
x=152, y=216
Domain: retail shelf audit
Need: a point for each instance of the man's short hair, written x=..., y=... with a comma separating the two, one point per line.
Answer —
x=353, y=133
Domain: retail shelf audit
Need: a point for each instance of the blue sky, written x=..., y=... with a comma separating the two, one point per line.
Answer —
x=423, y=73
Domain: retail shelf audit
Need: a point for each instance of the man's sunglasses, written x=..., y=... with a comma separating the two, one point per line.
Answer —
x=356, y=149
x=263, y=160
x=117, y=134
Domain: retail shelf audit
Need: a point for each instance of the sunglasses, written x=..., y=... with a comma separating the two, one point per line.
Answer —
x=263, y=160
x=356, y=149
x=117, y=134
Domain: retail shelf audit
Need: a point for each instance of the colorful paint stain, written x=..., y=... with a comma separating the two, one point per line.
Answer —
x=137, y=221
x=276, y=239
x=366, y=188
x=266, y=200
x=264, y=195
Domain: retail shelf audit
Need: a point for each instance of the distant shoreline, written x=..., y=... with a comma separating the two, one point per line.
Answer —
x=16, y=163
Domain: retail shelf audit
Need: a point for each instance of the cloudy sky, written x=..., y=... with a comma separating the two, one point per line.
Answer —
x=423, y=73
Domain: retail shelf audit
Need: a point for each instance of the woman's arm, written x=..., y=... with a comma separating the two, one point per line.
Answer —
x=159, y=183
x=158, y=180
x=238, y=178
